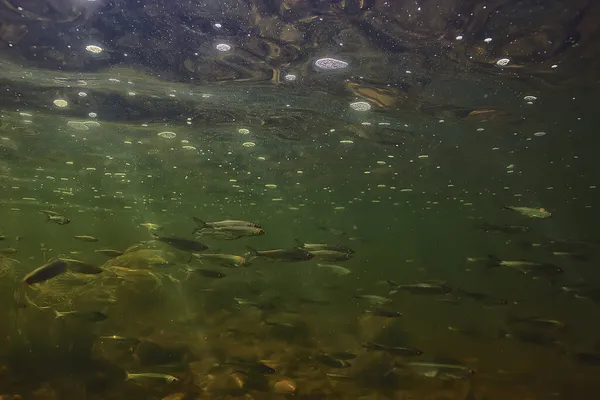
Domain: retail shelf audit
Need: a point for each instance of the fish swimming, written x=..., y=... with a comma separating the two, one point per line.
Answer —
x=438, y=370
x=323, y=246
x=331, y=255
x=45, y=272
x=82, y=267
x=224, y=260
x=222, y=224
x=373, y=299
x=8, y=250
x=231, y=232
x=55, y=217
x=86, y=238
x=339, y=270
x=181, y=243
x=88, y=316
x=288, y=255
x=149, y=375
x=109, y=252
x=423, y=288
x=396, y=351
x=332, y=362
x=527, y=267
x=530, y=212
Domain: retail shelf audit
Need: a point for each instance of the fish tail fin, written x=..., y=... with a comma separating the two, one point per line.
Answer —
x=299, y=243
x=200, y=225
x=507, y=208
x=493, y=261
x=58, y=314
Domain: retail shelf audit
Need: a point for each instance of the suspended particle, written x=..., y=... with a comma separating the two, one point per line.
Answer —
x=460, y=37
x=223, y=47
x=530, y=98
x=244, y=131
x=188, y=147
x=248, y=144
x=82, y=94
x=330, y=63
x=167, y=135
x=360, y=106
x=60, y=103
x=290, y=77
x=487, y=40
x=92, y=115
x=503, y=62
x=94, y=49
x=538, y=134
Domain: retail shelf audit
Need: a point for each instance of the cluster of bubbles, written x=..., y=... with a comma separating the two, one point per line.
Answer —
x=330, y=63
x=360, y=106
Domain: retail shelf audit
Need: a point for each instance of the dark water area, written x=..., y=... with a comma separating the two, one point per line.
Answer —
x=413, y=189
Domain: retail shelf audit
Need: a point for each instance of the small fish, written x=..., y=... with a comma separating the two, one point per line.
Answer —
x=530, y=212
x=332, y=362
x=2, y=237
x=338, y=376
x=251, y=366
x=323, y=246
x=82, y=267
x=56, y=217
x=339, y=270
x=222, y=224
x=209, y=273
x=574, y=256
x=438, y=370
x=45, y=272
x=230, y=232
x=484, y=298
x=8, y=250
x=379, y=312
x=423, y=288
x=508, y=229
x=373, y=299
x=225, y=260
x=288, y=255
x=532, y=336
x=109, y=253
x=181, y=244
x=264, y=305
x=396, y=351
x=88, y=316
x=149, y=375
x=151, y=226
x=527, y=267
x=86, y=238
x=331, y=255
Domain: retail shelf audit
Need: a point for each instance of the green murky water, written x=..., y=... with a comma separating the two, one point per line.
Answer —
x=402, y=165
